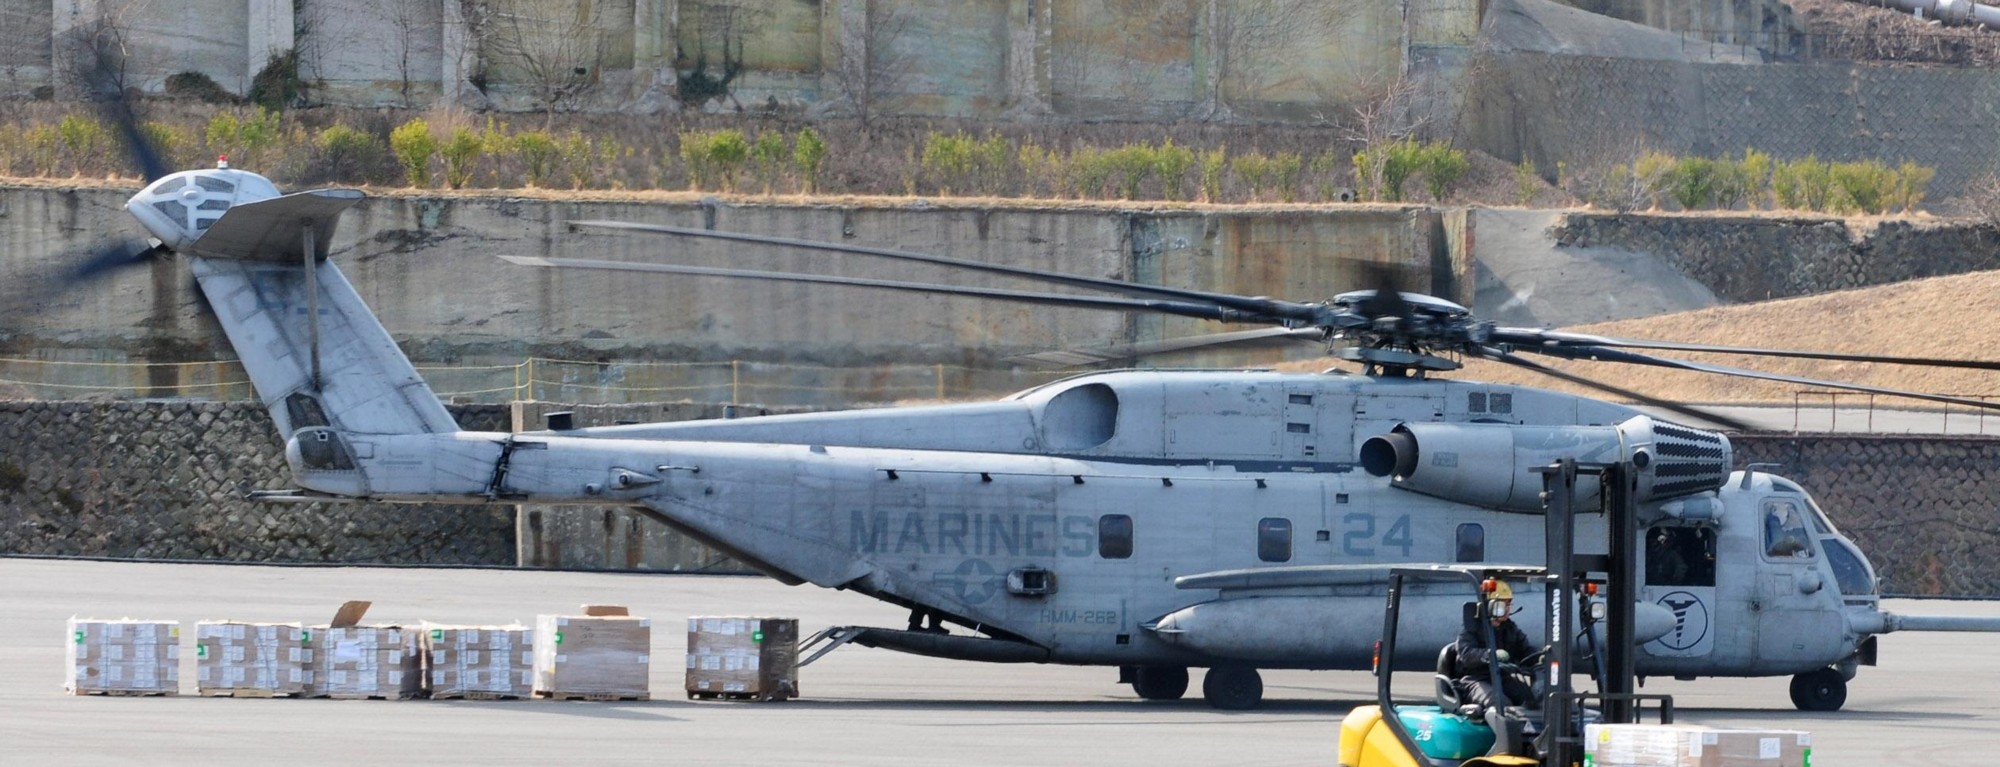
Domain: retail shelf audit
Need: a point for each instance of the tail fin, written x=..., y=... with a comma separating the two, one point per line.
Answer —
x=258, y=285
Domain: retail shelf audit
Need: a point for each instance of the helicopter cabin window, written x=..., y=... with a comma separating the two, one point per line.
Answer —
x=1680, y=556
x=1471, y=543
x=1274, y=539
x=1785, y=531
x=1114, y=536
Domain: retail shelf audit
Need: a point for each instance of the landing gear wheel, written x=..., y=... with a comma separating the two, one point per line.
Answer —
x=1160, y=682
x=1232, y=687
x=1822, y=690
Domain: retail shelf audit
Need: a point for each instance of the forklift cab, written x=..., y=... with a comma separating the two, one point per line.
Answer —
x=1450, y=731
x=1441, y=734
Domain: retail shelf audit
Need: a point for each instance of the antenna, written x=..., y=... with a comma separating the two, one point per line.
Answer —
x=1750, y=470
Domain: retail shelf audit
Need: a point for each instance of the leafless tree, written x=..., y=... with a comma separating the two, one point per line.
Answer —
x=554, y=49
x=25, y=42
x=1124, y=55
x=885, y=68
x=414, y=23
x=94, y=58
x=718, y=31
x=1252, y=38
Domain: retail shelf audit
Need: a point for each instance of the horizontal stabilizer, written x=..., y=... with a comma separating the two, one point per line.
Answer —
x=273, y=230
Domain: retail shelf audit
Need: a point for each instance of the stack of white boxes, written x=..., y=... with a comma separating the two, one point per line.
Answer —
x=123, y=657
x=478, y=661
x=355, y=661
x=743, y=658
x=604, y=654
x=1669, y=745
x=366, y=662
x=251, y=659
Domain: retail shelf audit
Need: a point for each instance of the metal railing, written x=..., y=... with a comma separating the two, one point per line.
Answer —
x=1911, y=418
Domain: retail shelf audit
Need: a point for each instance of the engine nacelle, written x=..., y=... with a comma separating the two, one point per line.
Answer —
x=1492, y=465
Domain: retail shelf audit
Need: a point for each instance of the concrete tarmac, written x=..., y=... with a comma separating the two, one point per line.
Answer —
x=1930, y=703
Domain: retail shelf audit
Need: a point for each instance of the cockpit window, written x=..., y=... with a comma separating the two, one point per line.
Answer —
x=214, y=184
x=168, y=185
x=1785, y=531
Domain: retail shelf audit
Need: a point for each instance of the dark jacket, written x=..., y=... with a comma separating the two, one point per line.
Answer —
x=1474, y=656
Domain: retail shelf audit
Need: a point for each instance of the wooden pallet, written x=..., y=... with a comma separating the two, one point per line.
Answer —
x=245, y=692
x=759, y=697
x=474, y=695
x=589, y=696
x=370, y=696
x=129, y=693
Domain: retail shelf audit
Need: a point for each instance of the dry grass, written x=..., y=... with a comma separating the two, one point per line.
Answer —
x=1844, y=29
x=1948, y=317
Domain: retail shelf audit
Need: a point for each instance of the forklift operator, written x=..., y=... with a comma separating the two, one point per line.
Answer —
x=1471, y=672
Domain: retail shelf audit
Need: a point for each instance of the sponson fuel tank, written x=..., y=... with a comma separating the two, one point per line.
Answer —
x=1456, y=461
x=1331, y=633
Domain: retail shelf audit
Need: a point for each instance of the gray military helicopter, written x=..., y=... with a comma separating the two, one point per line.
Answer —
x=1151, y=520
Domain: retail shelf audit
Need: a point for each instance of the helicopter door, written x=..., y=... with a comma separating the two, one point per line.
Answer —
x=1680, y=576
x=1792, y=621
x=1314, y=431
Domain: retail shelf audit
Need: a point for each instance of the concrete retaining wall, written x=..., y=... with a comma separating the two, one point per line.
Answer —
x=1294, y=60
x=426, y=266
x=166, y=480
x=1925, y=510
x=1757, y=258
x=1587, y=112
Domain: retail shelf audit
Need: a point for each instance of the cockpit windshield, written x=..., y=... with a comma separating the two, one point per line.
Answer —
x=1850, y=569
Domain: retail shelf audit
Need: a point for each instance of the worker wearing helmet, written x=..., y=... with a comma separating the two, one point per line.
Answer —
x=1472, y=669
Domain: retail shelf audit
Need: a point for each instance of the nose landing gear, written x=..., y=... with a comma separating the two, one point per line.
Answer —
x=1822, y=690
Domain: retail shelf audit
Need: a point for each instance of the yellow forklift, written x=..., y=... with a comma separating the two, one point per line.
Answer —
x=1451, y=733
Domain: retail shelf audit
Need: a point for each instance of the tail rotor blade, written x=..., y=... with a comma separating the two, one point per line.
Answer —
x=112, y=258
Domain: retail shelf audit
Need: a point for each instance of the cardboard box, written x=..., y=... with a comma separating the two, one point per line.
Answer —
x=477, y=661
x=123, y=657
x=746, y=658
x=1655, y=745
x=603, y=656
x=355, y=661
x=233, y=658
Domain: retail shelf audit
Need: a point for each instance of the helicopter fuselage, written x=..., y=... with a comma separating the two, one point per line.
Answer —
x=1079, y=518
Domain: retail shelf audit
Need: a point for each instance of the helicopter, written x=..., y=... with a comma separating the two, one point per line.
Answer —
x=1149, y=520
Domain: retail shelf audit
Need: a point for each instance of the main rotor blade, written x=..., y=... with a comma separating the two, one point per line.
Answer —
x=1536, y=337
x=1601, y=354
x=1273, y=310
x=1198, y=311
x=1488, y=352
x=1101, y=354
